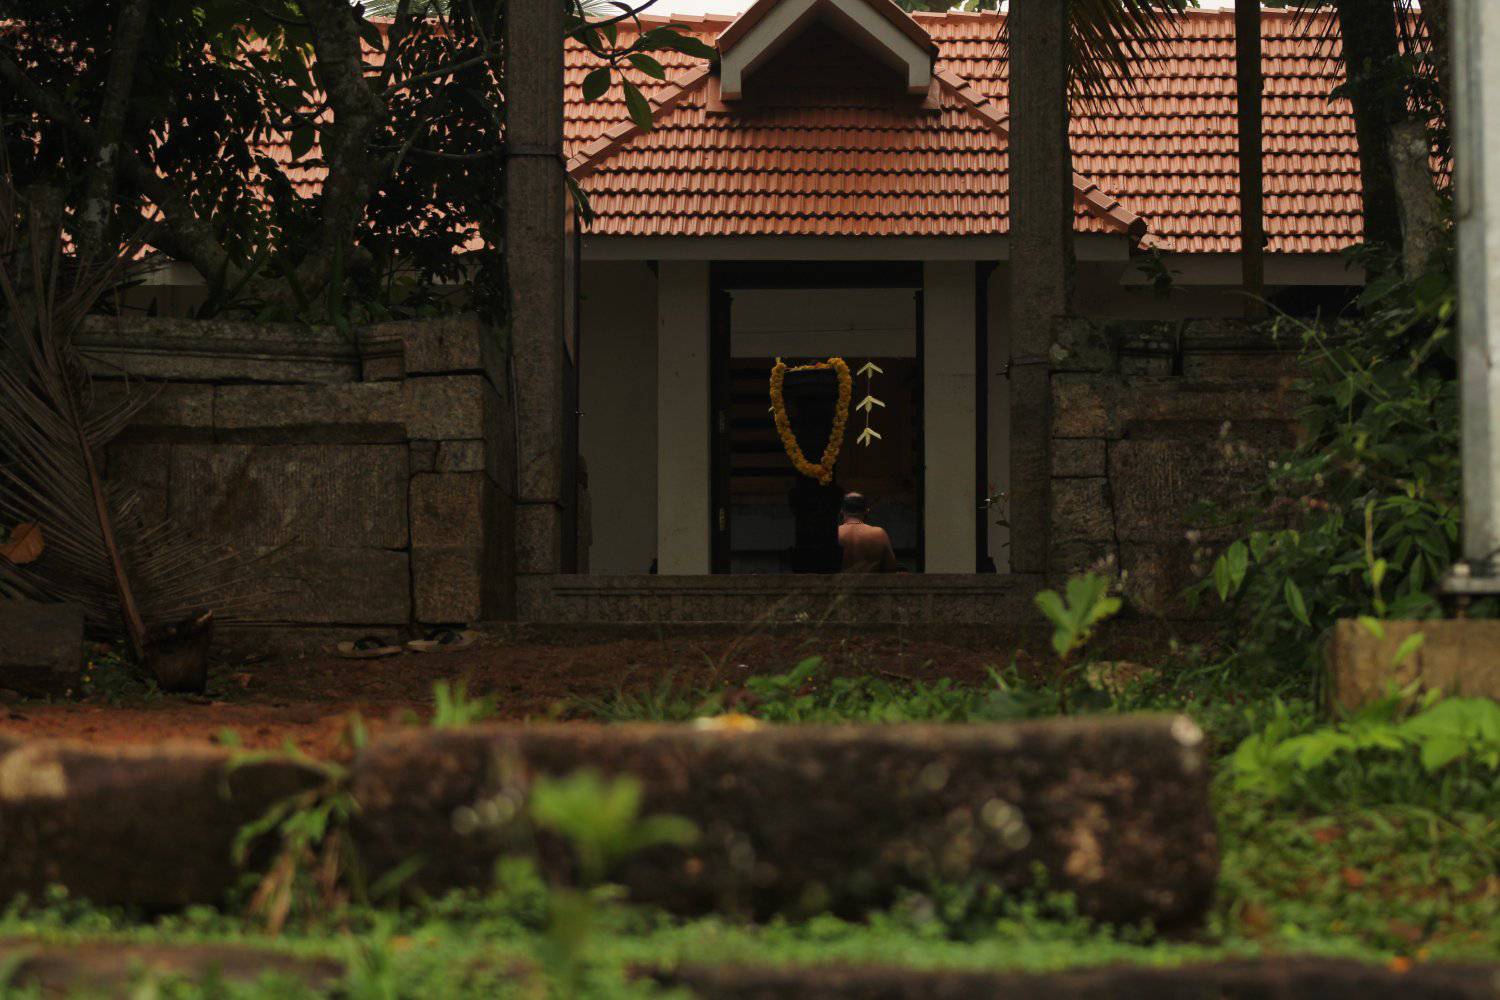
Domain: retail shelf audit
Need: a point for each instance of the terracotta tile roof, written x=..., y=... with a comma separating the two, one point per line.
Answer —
x=827, y=151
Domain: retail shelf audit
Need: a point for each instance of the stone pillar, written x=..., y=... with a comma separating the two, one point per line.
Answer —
x=950, y=494
x=683, y=441
x=535, y=221
x=1476, y=69
x=1041, y=253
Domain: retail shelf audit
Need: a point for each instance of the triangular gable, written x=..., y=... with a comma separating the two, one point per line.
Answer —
x=879, y=27
x=693, y=94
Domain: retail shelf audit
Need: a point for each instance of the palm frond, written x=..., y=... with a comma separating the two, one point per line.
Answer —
x=1108, y=39
x=128, y=573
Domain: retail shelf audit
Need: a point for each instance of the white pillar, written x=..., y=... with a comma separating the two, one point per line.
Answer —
x=1476, y=127
x=683, y=443
x=950, y=494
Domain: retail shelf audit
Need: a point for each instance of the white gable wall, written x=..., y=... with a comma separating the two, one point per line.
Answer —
x=853, y=18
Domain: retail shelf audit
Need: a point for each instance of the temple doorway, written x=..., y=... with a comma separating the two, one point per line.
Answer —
x=861, y=320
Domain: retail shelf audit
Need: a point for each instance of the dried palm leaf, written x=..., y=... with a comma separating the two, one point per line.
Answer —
x=24, y=546
x=128, y=574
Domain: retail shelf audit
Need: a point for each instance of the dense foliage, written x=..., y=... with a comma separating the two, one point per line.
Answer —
x=1363, y=517
x=208, y=122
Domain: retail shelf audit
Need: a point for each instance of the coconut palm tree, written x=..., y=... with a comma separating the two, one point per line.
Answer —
x=1392, y=51
x=1249, y=85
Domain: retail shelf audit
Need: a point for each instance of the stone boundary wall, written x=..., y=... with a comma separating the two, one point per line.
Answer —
x=1148, y=420
x=371, y=473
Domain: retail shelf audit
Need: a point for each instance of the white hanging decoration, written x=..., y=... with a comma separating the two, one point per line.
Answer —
x=869, y=435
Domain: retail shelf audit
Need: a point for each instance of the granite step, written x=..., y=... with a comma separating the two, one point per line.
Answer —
x=793, y=820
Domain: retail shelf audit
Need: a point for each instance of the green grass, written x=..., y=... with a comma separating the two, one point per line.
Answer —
x=1358, y=849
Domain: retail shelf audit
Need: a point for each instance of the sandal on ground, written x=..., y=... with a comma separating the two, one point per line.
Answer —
x=368, y=648
x=444, y=640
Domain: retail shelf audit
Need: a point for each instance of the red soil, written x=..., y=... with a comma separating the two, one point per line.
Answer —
x=308, y=701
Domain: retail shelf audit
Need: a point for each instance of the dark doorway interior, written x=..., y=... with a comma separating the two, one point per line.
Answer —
x=816, y=313
x=761, y=477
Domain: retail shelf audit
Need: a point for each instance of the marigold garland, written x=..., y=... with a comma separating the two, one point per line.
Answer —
x=823, y=470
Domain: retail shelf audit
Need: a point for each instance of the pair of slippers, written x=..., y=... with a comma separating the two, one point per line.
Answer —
x=443, y=640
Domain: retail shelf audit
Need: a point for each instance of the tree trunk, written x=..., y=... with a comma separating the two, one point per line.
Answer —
x=1041, y=261
x=1368, y=30
x=1249, y=84
x=535, y=223
x=1416, y=196
x=1436, y=18
x=96, y=213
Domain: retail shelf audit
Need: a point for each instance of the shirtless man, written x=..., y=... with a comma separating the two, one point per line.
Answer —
x=867, y=549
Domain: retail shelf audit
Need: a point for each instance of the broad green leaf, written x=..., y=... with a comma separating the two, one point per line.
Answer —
x=302, y=140
x=1372, y=625
x=371, y=35
x=1221, y=577
x=1295, y=603
x=596, y=84
x=1408, y=646
x=1051, y=605
x=1239, y=561
x=1260, y=542
x=638, y=106
x=1438, y=751
x=646, y=64
x=671, y=38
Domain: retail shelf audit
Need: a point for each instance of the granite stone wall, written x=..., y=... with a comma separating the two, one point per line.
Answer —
x=1151, y=420
x=370, y=475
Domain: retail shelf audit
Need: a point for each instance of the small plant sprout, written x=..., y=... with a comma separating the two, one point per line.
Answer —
x=601, y=819
x=453, y=708
x=1088, y=603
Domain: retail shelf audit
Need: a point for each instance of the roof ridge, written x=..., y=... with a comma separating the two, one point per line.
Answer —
x=1099, y=202
x=587, y=159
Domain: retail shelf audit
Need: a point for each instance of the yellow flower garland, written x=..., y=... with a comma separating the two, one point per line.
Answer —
x=823, y=471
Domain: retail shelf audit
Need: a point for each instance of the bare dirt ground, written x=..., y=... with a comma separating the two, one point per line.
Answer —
x=308, y=702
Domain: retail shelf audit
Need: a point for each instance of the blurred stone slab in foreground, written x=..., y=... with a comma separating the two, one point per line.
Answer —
x=152, y=827
x=115, y=969
x=1273, y=979
x=798, y=819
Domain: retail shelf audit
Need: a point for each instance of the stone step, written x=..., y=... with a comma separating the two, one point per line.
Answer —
x=1272, y=979
x=793, y=820
x=152, y=827
x=112, y=968
x=116, y=969
x=905, y=599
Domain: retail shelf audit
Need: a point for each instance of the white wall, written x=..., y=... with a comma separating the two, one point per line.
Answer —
x=683, y=440
x=949, y=490
x=617, y=431
x=800, y=323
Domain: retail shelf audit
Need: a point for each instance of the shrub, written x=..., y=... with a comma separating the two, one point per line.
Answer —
x=1363, y=516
